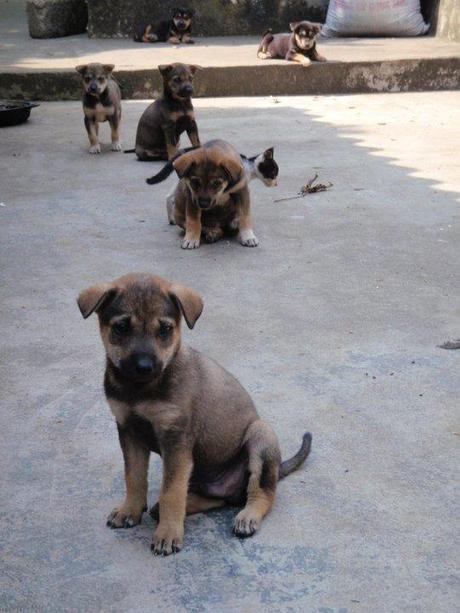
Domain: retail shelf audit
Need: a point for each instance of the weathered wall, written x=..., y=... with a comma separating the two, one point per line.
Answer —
x=115, y=18
x=448, y=19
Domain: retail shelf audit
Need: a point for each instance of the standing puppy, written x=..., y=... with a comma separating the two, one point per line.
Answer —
x=172, y=400
x=101, y=102
x=176, y=30
x=162, y=123
x=298, y=46
x=212, y=196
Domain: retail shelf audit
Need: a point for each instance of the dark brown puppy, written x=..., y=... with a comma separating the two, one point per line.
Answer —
x=176, y=30
x=172, y=400
x=101, y=102
x=162, y=123
x=212, y=196
x=298, y=46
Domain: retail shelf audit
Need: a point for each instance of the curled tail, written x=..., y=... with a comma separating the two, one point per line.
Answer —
x=167, y=168
x=297, y=460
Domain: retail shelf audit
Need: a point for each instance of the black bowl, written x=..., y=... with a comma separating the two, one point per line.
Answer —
x=13, y=112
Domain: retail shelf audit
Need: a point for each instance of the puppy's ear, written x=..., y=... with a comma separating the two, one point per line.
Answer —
x=183, y=165
x=233, y=170
x=194, y=68
x=108, y=68
x=165, y=69
x=81, y=68
x=92, y=298
x=189, y=302
x=268, y=154
x=294, y=25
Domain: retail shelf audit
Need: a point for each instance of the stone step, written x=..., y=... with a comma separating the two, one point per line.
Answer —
x=44, y=69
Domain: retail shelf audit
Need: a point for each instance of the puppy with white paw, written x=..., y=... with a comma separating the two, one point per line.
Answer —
x=101, y=102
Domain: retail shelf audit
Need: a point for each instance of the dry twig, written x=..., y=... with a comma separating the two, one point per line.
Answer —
x=308, y=188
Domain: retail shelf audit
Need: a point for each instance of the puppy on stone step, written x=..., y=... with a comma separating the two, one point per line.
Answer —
x=176, y=30
x=174, y=401
x=101, y=102
x=298, y=46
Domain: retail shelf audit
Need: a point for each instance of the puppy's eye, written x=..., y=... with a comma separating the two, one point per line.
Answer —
x=101, y=79
x=164, y=331
x=216, y=184
x=87, y=79
x=176, y=79
x=121, y=327
x=195, y=182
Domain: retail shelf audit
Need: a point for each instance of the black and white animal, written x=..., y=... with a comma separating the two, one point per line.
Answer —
x=262, y=166
x=177, y=29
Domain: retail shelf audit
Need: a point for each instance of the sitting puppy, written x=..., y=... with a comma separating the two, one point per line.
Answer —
x=176, y=30
x=172, y=400
x=101, y=102
x=162, y=123
x=212, y=196
x=299, y=46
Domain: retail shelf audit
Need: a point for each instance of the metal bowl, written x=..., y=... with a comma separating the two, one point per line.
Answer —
x=13, y=112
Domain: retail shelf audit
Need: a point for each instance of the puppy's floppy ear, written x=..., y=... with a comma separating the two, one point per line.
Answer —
x=268, y=154
x=189, y=302
x=183, y=164
x=194, y=68
x=108, y=68
x=233, y=170
x=92, y=298
x=81, y=68
x=165, y=69
x=293, y=25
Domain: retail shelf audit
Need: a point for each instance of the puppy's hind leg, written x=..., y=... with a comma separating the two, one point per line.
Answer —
x=264, y=461
x=170, y=203
x=262, y=52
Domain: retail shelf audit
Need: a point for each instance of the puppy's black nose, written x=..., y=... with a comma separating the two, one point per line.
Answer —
x=204, y=203
x=187, y=90
x=93, y=87
x=144, y=365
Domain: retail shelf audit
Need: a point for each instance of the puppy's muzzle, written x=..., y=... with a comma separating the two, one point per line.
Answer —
x=186, y=91
x=92, y=89
x=140, y=367
x=181, y=24
x=204, y=203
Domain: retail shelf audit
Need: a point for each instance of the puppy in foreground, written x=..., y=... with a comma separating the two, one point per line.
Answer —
x=162, y=123
x=212, y=196
x=172, y=400
x=101, y=102
x=176, y=30
x=298, y=46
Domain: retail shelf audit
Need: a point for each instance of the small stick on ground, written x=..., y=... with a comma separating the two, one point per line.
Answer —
x=308, y=188
x=451, y=344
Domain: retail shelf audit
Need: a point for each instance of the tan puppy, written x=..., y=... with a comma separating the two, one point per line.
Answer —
x=101, y=102
x=212, y=196
x=170, y=399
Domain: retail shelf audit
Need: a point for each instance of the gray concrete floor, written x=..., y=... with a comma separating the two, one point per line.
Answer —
x=332, y=323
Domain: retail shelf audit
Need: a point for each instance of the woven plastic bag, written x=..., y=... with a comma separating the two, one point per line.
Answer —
x=374, y=18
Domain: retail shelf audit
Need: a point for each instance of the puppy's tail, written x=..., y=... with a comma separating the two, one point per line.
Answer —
x=129, y=150
x=167, y=168
x=269, y=31
x=288, y=466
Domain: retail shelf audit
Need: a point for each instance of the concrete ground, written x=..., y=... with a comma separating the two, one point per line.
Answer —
x=332, y=324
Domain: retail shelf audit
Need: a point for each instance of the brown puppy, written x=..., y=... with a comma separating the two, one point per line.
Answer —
x=212, y=196
x=175, y=30
x=162, y=123
x=298, y=46
x=101, y=102
x=170, y=399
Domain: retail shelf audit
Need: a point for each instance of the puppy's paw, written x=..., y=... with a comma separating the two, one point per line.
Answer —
x=263, y=55
x=189, y=41
x=246, y=524
x=211, y=235
x=95, y=148
x=305, y=62
x=167, y=539
x=248, y=239
x=124, y=517
x=116, y=146
x=189, y=242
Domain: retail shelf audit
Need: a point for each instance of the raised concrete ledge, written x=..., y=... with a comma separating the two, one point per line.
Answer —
x=45, y=70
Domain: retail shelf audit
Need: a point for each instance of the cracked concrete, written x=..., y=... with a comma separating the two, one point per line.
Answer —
x=332, y=324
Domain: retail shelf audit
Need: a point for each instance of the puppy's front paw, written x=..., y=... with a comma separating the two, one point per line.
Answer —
x=248, y=239
x=95, y=148
x=189, y=242
x=167, y=539
x=124, y=517
x=305, y=62
x=263, y=55
x=245, y=524
x=189, y=41
x=116, y=146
